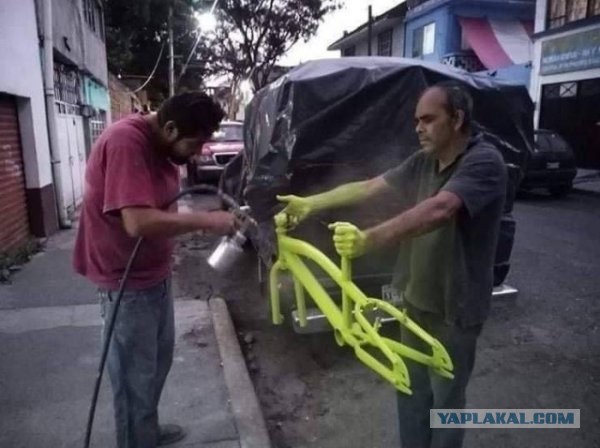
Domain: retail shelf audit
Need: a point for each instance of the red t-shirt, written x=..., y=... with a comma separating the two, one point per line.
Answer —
x=123, y=170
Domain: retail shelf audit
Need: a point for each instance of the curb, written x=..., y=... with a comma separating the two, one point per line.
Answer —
x=586, y=191
x=247, y=413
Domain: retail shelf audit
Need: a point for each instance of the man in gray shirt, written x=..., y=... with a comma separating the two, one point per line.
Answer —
x=447, y=239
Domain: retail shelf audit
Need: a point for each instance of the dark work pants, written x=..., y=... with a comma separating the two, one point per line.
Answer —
x=139, y=359
x=431, y=391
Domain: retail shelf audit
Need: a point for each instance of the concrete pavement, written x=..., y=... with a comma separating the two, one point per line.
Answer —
x=49, y=350
x=587, y=181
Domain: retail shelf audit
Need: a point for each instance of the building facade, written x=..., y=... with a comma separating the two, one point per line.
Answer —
x=387, y=36
x=43, y=155
x=123, y=100
x=492, y=37
x=27, y=199
x=566, y=74
x=81, y=87
x=488, y=36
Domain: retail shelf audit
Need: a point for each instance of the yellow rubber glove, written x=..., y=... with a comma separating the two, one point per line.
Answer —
x=297, y=208
x=348, y=239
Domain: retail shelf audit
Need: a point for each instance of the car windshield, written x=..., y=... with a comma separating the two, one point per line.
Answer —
x=228, y=133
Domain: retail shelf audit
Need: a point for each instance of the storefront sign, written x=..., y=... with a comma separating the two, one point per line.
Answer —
x=571, y=53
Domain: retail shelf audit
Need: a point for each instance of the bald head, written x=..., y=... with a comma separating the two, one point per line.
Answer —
x=455, y=99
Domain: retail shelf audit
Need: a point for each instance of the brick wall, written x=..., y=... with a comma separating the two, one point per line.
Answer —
x=122, y=100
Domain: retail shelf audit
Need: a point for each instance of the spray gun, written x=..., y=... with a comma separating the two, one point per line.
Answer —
x=230, y=248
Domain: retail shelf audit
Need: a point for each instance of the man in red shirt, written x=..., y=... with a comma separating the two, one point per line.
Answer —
x=131, y=174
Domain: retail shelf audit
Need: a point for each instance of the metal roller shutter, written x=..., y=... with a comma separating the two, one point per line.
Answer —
x=14, y=225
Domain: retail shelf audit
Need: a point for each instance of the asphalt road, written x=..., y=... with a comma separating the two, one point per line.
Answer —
x=541, y=350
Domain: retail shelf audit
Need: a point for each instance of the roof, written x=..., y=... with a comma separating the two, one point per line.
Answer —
x=380, y=22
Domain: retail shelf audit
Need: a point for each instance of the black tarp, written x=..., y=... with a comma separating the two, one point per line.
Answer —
x=332, y=121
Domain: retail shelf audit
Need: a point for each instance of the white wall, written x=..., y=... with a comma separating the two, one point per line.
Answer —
x=85, y=48
x=21, y=75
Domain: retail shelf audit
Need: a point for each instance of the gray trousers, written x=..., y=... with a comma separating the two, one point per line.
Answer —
x=139, y=359
x=431, y=391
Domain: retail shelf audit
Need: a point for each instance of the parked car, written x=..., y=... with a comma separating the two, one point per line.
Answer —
x=210, y=161
x=333, y=121
x=551, y=165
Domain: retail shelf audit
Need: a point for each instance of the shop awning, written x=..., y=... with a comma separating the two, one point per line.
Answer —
x=498, y=43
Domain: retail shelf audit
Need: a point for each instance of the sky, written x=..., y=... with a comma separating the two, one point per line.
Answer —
x=352, y=15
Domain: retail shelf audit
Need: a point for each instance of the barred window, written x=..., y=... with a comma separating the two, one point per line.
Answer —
x=349, y=51
x=67, y=87
x=384, y=43
x=94, y=17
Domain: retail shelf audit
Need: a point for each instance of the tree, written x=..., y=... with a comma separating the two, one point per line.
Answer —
x=253, y=35
x=136, y=34
x=250, y=38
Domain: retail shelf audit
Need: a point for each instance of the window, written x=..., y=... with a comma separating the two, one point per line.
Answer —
x=561, y=12
x=88, y=13
x=551, y=91
x=562, y=90
x=568, y=89
x=67, y=87
x=93, y=16
x=424, y=40
x=384, y=43
x=428, y=38
x=349, y=51
x=97, y=124
x=589, y=87
x=577, y=11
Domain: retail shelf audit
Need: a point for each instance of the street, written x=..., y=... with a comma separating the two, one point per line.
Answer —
x=541, y=350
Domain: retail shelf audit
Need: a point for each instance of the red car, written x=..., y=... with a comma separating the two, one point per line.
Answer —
x=208, y=164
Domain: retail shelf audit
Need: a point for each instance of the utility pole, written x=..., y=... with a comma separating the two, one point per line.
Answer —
x=171, y=55
x=370, y=30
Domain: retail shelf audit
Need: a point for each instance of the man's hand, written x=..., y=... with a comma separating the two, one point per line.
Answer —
x=221, y=223
x=348, y=239
x=297, y=208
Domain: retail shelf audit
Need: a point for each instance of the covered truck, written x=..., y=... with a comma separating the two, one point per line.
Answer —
x=329, y=122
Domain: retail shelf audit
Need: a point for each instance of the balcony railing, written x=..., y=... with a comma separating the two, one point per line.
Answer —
x=466, y=60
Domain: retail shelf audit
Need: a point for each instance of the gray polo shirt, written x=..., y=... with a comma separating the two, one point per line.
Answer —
x=449, y=271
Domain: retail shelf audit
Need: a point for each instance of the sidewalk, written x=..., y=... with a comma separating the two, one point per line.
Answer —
x=50, y=347
x=587, y=181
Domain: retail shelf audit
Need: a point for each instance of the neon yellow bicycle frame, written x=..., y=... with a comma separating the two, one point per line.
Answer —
x=351, y=326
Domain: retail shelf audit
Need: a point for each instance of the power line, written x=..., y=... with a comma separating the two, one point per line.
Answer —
x=162, y=47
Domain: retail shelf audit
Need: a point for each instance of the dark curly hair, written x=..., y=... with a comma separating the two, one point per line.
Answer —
x=192, y=112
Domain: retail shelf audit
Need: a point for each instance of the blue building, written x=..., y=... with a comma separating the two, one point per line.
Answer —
x=489, y=36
